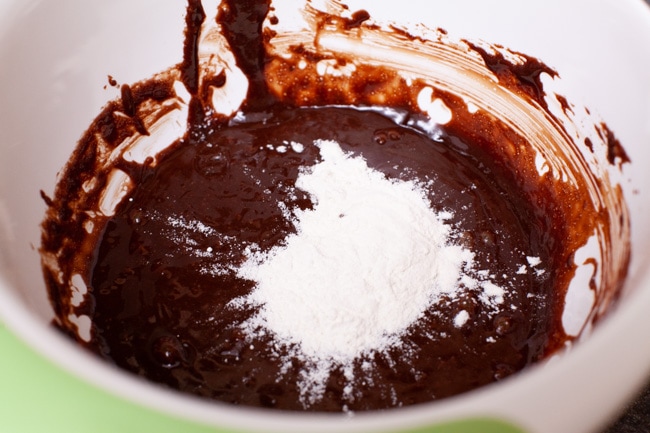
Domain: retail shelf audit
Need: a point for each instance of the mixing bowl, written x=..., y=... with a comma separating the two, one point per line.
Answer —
x=57, y=59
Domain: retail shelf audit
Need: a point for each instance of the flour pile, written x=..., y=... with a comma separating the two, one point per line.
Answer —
x=365, y=263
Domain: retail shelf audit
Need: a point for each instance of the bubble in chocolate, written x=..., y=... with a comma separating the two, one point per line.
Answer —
x=380, y=138
x=504, y=324
x=136, y=216
x=167, y=351
x=487, y=238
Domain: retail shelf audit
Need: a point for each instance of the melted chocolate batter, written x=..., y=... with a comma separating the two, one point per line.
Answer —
x=159, y=313
x=158, y=296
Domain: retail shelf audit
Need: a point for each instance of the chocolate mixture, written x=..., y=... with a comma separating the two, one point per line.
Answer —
x=159, y=305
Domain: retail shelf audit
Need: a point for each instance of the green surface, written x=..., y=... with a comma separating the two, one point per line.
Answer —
x=37, y=396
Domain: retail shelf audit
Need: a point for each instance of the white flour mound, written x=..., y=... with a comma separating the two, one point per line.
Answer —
x=365, y=263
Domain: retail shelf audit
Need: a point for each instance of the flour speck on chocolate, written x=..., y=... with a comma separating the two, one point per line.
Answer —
x=316, y=211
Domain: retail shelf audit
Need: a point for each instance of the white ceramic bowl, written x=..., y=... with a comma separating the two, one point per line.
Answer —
x=55, y=58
